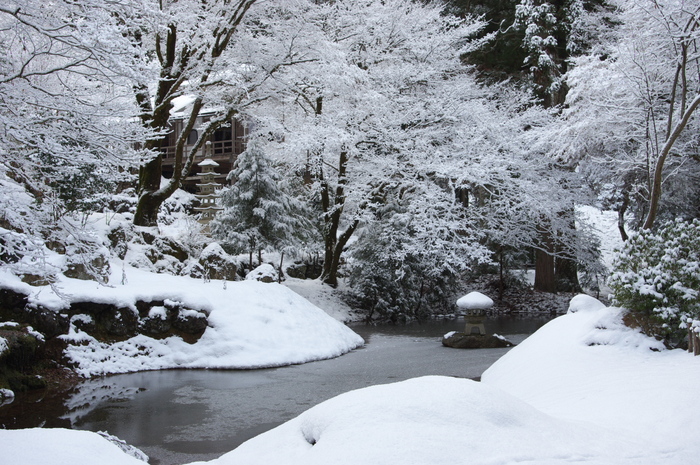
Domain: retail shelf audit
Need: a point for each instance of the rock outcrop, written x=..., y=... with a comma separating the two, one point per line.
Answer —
x=475, y=341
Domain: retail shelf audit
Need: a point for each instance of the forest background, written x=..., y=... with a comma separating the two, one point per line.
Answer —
x=405, y=146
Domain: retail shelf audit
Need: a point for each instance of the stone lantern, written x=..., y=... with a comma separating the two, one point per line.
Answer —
x=474, y=305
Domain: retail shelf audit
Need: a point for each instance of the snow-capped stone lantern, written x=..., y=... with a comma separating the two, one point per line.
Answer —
x=208, y=191
x=475, y=304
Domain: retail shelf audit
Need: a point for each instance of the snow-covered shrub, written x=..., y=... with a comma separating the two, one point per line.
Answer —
x=393, y=281
x=656, y=276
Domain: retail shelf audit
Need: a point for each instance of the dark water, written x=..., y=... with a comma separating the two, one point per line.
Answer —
x=180, y=416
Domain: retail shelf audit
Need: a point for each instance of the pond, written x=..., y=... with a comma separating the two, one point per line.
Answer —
x=180, y=416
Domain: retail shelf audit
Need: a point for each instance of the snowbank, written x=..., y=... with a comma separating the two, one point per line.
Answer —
x=60, y=447
x=588, y=367
x=429, y=420
x=252, y=324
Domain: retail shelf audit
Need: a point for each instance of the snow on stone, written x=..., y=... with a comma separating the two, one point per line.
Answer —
x=82, y=318
x=158, y=312
x=263, y=271
x=584, y=303
x=6, y=396
x=207, y=162
x=214, y=249
x=474, y=300
x=36, y=334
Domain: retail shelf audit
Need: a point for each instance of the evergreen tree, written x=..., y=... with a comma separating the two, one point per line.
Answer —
x=259, y=215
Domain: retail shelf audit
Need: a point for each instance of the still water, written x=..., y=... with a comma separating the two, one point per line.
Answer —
x=180, y=416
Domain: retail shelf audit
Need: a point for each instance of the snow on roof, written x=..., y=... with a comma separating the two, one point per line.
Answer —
x=474, y=300
x=207, y=162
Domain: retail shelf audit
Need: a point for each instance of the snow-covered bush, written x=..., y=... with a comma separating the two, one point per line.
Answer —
x=392, y=280
x=656, y=276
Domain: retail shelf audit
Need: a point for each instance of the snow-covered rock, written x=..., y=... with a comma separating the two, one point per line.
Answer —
x=265, y=273
x=584, y=303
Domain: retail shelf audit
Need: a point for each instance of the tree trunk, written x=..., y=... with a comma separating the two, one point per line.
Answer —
x=332, y=212
x=174, y=61
x=544, y=272
x=566, y=275
x=331, y=278
x=655, y=195
x=565, y=266
x=544, y=264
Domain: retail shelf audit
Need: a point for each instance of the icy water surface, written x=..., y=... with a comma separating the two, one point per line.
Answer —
x=180, y=416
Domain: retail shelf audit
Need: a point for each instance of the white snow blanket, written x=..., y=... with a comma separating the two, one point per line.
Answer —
x=587, y=366
x=252, y=324
x=583, y=389
x=60, y=447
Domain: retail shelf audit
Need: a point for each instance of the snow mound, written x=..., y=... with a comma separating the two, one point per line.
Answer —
x=429, y=420
x=474, y=301
x=36, y=446
x=588, y=366
x=251, y=325
x=584, y=303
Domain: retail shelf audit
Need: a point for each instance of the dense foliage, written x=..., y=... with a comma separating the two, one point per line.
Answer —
x=657, y=277
x=418, y=139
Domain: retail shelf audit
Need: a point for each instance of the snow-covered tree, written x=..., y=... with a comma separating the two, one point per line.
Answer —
x=356, y=116
x=633, y=111
x=218, y=57
x=407, y=263
x=259, y=215
x=657, y=277
x=66, y=124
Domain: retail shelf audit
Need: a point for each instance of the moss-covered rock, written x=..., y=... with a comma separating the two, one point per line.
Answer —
x=19, y=355
x=475, y=341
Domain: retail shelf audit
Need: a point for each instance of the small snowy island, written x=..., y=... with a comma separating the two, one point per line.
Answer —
x=247, y=324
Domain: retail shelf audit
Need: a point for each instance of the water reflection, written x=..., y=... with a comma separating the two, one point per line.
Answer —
x=180, y=416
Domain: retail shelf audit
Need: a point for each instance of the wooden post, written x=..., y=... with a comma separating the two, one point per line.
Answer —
x=696, y=343
x=691, y=339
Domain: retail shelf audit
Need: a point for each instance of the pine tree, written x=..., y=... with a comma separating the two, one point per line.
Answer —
x=259, y=215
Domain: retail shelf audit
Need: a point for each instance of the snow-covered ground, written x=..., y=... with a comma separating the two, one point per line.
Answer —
x=583, y=389
x=251, y=324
